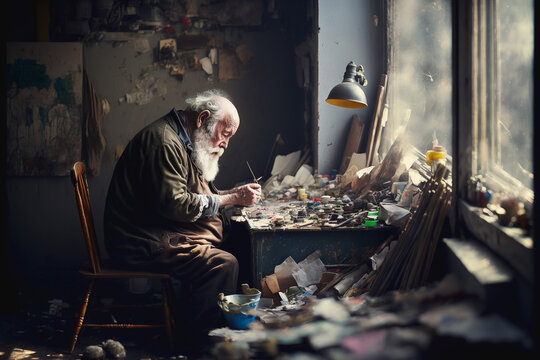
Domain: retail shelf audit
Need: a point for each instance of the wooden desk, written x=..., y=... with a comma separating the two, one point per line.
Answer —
x=342, y=245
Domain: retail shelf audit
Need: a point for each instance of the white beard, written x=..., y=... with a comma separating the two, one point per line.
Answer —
x=205, y=156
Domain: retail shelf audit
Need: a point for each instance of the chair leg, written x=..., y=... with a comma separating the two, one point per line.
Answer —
x=166, y=290
x=81, y=316
x=172, y=302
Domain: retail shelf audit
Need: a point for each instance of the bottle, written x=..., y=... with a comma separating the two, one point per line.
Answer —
x=318, y=179
x=436, y=156
x=301, y=193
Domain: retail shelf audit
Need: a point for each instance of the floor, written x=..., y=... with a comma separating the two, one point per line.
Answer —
x=42, y=327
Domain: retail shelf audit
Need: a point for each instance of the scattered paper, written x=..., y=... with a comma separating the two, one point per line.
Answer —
x=348, y=176
x=393, y=214
x=285, y=164
x=310, y=270
x=304, y=176
x=358, y=160
x=331, y=310
x=364, y=171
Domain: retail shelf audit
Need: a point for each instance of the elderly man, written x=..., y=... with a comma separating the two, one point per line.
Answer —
x=162, y=209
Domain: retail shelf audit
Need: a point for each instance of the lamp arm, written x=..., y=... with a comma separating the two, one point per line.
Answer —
x=360, y=77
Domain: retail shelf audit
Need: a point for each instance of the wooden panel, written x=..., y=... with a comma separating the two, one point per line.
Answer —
x=354, y=142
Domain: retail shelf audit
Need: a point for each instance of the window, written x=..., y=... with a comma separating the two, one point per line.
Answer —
x=467, y=81
x=419, y=73
x=494, y=124
x=502, y=93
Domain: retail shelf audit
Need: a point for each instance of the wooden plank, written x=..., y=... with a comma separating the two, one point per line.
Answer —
x=303, y=160
x=381, y=92
x=377, y=141
x=354, y=141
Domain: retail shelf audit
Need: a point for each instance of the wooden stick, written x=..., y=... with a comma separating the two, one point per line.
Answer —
x=443, y=212
x=377, y=140
x=375, y=122
x=409, y=263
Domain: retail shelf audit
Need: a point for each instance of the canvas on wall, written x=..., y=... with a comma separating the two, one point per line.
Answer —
x=43, y=108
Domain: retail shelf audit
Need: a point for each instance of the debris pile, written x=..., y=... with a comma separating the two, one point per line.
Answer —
x=400, y=324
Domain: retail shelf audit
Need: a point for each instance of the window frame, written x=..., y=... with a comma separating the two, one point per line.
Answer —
x=472, y=105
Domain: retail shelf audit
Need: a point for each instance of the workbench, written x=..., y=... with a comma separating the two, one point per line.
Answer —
x=270, y=245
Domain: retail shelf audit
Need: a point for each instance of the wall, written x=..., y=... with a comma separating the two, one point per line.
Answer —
x=347, y=33
x=43, y=235
x=44, y=238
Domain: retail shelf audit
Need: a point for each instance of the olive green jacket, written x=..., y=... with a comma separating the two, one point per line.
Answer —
x=152, y=202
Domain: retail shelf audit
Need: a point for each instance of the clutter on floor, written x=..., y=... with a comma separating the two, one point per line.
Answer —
x=412, y=324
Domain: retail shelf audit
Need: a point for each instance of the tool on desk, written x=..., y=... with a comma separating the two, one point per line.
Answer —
x=252, y=174
x=255, y=179
x=349, y=220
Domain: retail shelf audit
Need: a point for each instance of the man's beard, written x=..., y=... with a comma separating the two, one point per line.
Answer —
x=205, y=156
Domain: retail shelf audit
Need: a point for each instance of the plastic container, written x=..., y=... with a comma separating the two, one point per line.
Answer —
x=236, y=309
x=301, y=193
x=371, y=223
x=436, y=156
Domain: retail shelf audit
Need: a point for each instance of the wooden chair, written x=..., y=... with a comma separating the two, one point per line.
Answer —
x=97, y=271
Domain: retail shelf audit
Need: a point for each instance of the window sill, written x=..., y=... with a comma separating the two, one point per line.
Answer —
x=481, y=273
x=509, y=243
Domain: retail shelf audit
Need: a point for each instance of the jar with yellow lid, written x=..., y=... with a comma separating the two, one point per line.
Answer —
x=436, y=156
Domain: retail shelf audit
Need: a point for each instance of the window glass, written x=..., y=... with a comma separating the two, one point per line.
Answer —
x=515, y=70
x=420, y=73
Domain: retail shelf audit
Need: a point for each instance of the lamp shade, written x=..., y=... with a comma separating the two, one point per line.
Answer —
x=348, y=93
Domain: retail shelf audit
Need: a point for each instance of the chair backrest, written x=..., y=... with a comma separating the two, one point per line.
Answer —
x=78, y=177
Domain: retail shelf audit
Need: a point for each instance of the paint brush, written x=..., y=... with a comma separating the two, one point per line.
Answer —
x=255, y=179
x=252, y=174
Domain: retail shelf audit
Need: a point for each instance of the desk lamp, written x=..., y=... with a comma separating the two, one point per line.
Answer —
x=348, y=93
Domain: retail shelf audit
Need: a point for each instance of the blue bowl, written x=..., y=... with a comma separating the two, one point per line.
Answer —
x=238, y=321
x=236, y=312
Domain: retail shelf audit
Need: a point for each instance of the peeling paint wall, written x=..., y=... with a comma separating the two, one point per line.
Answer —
x=44, y=237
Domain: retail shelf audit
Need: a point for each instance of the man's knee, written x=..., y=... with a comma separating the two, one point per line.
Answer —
x=228, y=262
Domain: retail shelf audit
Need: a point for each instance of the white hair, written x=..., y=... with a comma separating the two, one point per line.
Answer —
x=206, y=100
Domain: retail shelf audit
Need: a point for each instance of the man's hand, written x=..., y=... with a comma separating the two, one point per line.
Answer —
x=244, y=195
x=248, y=194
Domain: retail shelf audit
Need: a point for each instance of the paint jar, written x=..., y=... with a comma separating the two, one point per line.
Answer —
x=301, y=193
x=436, y=156
x=370, y=223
